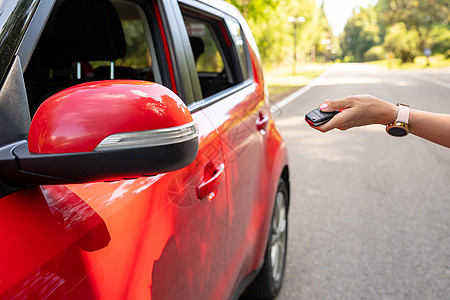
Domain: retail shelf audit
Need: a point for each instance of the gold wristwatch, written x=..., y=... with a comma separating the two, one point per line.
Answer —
x=400, y=127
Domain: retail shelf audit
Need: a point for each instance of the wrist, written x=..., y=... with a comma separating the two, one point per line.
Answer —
x=400, y=126
x=389, y=114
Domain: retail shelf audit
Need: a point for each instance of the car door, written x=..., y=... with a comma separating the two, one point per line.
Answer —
x=233, y=100
x=161, y=237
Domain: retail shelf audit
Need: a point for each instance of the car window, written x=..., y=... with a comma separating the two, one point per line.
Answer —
x=208, y=58
x=91, y=40
x=239, y=43
x=217, y=53
x=138, y=62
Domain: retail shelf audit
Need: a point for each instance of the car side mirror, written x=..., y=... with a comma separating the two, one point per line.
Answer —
x=102, y=131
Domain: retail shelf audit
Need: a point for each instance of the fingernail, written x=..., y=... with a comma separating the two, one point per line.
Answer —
x=323, y=106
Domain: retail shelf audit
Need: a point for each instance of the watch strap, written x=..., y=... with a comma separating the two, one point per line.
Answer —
x=400, y=126
x=403, y=113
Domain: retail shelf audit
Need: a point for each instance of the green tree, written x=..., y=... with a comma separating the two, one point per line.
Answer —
x=322, y=35
x=308, y=32
x=268, y=20
x=375, y=53
x=268, y=28
x=440, y=39
x=360, y=33
x=420, y=16
x=402, y=42
x=255, y=9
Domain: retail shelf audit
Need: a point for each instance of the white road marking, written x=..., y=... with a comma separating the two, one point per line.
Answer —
x=275, y=107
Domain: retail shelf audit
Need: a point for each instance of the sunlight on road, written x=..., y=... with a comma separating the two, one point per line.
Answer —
x=312, y=145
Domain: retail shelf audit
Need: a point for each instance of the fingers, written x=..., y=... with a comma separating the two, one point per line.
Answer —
x=335, y=122
x=339, y=104
x=338, y=121
x=350, y=109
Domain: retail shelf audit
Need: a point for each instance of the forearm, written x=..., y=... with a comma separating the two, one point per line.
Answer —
x=430, y=126
x=363, y=110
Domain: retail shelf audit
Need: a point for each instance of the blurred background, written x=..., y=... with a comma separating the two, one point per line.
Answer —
x=369, y=214
x=299, y=37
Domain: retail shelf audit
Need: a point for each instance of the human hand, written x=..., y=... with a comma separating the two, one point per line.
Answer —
x=357, y=111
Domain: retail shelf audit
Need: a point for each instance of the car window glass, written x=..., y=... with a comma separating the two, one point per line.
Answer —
x=205, y=49
x=239, y=43
x=88, y=40
x=140, y=52
x=212, y=47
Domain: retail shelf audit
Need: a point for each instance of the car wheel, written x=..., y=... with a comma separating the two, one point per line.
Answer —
x=268, y=282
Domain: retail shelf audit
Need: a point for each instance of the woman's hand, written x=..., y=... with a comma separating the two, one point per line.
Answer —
x=357, y=111
x=363, y=110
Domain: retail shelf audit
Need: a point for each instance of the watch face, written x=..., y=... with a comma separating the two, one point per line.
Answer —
x=397, y=131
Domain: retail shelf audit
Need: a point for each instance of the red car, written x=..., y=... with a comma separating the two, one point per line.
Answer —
x=138, y=155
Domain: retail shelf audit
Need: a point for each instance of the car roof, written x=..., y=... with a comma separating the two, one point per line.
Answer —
x=223, y=6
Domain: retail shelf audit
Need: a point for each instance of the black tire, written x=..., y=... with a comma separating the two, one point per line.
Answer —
x=268, y=283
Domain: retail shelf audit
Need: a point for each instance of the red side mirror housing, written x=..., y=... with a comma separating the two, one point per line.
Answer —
x=79, y=118
x=105, y=130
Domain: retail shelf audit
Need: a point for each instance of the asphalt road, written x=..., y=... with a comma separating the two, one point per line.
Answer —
x=370, y=213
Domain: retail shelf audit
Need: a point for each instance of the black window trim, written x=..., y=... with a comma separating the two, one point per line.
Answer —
x=200, y=104
x=246, y=49
x=34, y=31
x=198, y=8
x=228, y=54
x=149, y=11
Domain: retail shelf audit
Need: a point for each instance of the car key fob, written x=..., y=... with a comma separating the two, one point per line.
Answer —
x=317, y=117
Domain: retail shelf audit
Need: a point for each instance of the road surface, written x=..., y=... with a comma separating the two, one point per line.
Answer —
x=370, y=213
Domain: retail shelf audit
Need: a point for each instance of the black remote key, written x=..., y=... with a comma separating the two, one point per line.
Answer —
x=317, y=117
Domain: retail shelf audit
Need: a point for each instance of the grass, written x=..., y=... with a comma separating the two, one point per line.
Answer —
x=420, y=62
x=281, y=81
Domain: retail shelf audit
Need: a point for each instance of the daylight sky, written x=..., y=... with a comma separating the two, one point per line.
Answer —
x=339, y=11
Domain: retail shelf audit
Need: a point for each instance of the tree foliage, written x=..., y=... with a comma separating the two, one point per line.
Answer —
x=417, y=16
x=403, y=27
x=402, y=42
x=414, y=14
x=255, y=9
x=274, y=35
x=440, y=35
x=360, y=33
